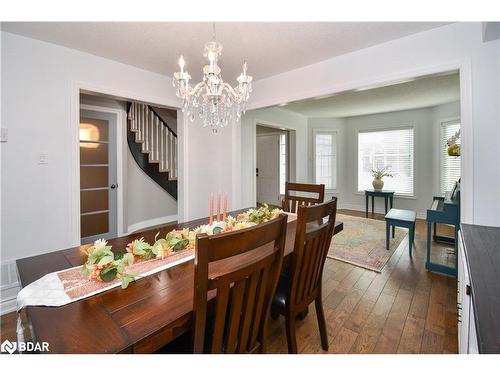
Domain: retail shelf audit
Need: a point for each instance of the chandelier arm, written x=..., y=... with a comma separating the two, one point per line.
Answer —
x=234, y=92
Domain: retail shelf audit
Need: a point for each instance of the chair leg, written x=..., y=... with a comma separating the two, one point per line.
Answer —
x=275, y=314
x=321, y=323
x=291, y=338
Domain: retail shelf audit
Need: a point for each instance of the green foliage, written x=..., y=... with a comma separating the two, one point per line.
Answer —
x=179, y=244
x=141, y=247
x=378, y=174
x=108, y=274
x=127, y=279
x=119, y=256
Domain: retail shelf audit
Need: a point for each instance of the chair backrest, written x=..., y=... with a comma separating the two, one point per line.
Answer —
x=294, y=195
x=243, y=268
x=312, y=242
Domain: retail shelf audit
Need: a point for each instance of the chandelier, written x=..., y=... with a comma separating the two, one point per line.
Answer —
x=216, y=102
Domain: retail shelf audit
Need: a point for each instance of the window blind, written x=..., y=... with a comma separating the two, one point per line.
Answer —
x=392, y=149
x=325, y=144
x=450, y=165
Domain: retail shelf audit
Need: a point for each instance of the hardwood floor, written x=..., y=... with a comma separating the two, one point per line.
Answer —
x=403, y=309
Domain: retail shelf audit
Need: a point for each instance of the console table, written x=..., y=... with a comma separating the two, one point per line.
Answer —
x=386, y=194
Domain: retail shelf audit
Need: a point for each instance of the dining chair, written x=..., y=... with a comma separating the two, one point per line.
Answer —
x=297, y=194
x=301, y=284
x=235, y=277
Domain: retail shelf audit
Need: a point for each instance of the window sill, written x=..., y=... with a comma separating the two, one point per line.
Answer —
x=410, y=197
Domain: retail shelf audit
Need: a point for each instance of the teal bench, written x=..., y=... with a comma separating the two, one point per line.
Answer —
x=400, y=218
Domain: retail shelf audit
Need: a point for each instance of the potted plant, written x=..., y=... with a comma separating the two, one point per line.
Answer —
x=378, y=174
x=453, y=146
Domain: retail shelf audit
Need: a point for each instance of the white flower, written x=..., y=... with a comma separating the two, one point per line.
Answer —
x=99, y=244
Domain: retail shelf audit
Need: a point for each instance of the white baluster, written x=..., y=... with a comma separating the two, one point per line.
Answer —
x=138, y=135
x=160, y=149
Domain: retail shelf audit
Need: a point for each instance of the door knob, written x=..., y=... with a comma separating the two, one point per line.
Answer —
x=114, y=186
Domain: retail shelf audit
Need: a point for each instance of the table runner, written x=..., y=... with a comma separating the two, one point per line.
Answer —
x=70, y=285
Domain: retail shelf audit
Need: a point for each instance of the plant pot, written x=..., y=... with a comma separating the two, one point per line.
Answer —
x=454, y=150
x=378, y=184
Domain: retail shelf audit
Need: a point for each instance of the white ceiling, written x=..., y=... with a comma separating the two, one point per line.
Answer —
x=269, y=47
x=420, y=93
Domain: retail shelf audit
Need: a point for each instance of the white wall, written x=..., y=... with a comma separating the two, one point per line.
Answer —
x=209, y=162
x=39, y=110
x=147, y=203
x=438, y=49
x=426, y=162
x=275, y=117
x=37, y=79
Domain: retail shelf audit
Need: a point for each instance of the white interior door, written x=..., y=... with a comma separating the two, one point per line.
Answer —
x=268, y=169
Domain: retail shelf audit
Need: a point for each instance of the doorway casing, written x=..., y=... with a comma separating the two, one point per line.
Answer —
x=78, y=87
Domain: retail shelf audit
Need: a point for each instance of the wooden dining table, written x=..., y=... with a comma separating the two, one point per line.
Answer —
x=150, y=313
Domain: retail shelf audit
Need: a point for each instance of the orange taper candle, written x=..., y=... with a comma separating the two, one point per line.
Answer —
x=211, y=220
x=218, y=205
x=225, y=207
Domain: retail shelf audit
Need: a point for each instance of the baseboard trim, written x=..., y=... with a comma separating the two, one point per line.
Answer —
x=8, y=300
x=150, y=223
x=9, y=305
x=361, y=208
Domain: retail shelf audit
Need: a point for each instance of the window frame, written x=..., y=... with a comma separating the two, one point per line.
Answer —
x=382, y=129
x=335, y=165
x=286, y=134
x=442, y=123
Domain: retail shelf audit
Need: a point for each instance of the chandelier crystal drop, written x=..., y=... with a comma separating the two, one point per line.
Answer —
x=215, y=102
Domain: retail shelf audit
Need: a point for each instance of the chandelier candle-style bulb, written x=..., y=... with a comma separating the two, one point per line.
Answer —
x=181, y=64
x=214, y=101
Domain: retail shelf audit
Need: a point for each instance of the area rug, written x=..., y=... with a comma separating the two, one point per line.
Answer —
x=362, y=242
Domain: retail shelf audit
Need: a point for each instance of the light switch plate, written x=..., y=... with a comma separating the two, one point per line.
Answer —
x=4, y=135
x=43, y=158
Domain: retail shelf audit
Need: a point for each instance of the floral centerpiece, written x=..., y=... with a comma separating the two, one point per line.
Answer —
x=378, y=174
x=105, y=266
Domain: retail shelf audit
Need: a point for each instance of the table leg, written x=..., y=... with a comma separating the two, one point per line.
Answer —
x=373, y=204
x=385, y=203
x=429, y=235
x=393, y=231
x=367, y=197
x=412, y=238
x=387, y=234
x=391, y=199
